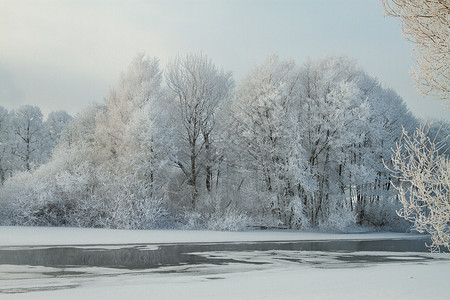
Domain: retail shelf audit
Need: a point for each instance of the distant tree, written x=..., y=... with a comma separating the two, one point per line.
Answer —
x=333, y=112
x=422, y=167
x=4, y=144
x=267, y=138
x=25, y=140
x=27, y=130
x=387, y=114
x=138, y=86
x=54, y=125
x=100, y=174
x=293, y=147
x=426, y=23
x=132, y=146
x=198, y=88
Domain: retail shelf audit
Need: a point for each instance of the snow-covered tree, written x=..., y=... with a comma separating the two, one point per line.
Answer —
x=422, y=166
x=25, y=140
x=266, y=135
x=420, y=162
x=293, y=147
x=332, y=111
x=375, y=198
x=314, y=138
x=426, y=23
x=131, y=145
x=96, y=177
x=199, y=88
x=55, y=123
x=5, y=151
x=27, y=130
x=137, y=86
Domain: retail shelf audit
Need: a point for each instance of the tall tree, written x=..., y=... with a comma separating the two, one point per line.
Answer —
x=4, y=144
x=331, y=111
x=54, y=125
x=426, y=23
x=27, y=129
x=139, y=85
x=199, y=88
x=267, y=135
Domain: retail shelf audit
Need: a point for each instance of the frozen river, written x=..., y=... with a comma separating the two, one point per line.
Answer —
x=191, y=255
x=179, y=270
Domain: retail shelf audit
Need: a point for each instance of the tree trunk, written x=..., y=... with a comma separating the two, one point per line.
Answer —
x=209, y=175
x=193, y=180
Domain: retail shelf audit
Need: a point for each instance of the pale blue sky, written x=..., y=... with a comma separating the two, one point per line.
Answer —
x=67, y=54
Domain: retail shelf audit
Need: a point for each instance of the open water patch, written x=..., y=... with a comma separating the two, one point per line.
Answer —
x=151, y=256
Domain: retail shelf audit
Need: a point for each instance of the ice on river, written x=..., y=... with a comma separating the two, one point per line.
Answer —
x=217, y=265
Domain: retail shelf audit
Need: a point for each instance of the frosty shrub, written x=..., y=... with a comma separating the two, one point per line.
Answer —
x=231, y=220
x=383, y=215
x=299, y=219
x=215, y=213
x=22, y=198
x=118, y=205
x=78, y=195
x=192, y=220
x=5, y=212
x=340, y=219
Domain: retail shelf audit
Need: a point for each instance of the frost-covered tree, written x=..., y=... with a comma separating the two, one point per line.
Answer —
x=332, y=111
x=311, y=141
x=27, y=131
x=55, y=123
x=137, y=86
x=96, y=177
x=422, y=167
x=375, y=200
x=426, y=23
x=199, y=88
x=293, y=147
x=150, y=145
x=266, y=135
x=131, y=146
x=25, y=140
x=5, y=151
x=419, y=162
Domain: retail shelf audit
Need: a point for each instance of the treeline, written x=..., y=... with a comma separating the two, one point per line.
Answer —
x=26, y=139
x=289, y=146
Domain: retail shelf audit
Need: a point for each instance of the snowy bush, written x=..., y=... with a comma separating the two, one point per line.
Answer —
x=129, y=204
x=24, y=197
x=63, y=194
x=192, y=220
x=231, y=221
x=340, y=218
x=299, y=219
x=383, y=214
x=215, y=213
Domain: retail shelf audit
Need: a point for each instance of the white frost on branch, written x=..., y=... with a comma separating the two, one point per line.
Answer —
x=422, y=166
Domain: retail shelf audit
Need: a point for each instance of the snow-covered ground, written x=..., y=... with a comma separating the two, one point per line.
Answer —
x=273, y=274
